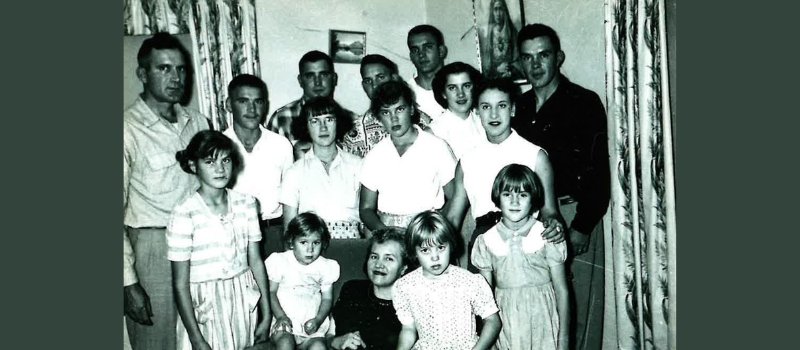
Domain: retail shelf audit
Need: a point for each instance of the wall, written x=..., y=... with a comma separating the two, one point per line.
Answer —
x=579, y=24
x=287, y=29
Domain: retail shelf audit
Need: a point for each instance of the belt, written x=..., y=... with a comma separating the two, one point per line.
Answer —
x=489, y=219
x=149, y=228
x=564, y=200
x=273, y=222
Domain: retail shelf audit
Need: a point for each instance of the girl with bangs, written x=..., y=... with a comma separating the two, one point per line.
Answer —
x=527, y=272
x=437, y=302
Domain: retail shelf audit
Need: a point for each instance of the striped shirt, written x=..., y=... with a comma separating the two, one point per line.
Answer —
x=214, y=245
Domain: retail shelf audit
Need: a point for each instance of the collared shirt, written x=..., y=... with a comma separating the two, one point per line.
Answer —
x=214, y=245
x=332, y=195
x=153, y=181
x=461, y=134
x=425, y=100
x=571, y=126
x=281, y=120
x=413, y=182
x=443, y=308
x=264, y=168
x=367, y=131
x=481, y=165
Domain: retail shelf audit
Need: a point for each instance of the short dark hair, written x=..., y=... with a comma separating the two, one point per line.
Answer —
x=208, y=143
x=427, y=28
x=536, y=30
x=379, y=59
x=390, y=234
x=440, y=80
x=247, y=80
x=318, y=106
x=389, y=93
x=503, y=84
x=518, y=178
x=314, y=56
x=305, y=224
x=161, y=41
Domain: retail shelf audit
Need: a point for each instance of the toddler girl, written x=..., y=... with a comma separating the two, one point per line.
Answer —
x=437, y=302
x=526, y=270
x=212, y=241
x=300, y=285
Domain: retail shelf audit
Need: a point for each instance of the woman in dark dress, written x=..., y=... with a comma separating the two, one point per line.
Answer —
x=364, y=315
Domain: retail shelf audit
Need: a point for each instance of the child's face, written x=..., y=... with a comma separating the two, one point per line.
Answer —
x=307, y=248
x=458, y=93
x=214, y=172
x=385, y=263
x=495, y=109
x=515, y=206
x=433, y=259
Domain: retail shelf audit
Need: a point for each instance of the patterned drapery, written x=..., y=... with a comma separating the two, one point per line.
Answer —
x=223, y=36
x=640, y=240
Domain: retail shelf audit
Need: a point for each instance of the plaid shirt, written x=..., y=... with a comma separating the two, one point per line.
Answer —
x=281, y=120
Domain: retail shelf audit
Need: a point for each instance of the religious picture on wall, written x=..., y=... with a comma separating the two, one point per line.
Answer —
x=497, y=23
x=348, y=47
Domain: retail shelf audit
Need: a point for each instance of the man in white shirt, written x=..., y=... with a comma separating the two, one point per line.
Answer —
x=266, y=156
x=427, y=52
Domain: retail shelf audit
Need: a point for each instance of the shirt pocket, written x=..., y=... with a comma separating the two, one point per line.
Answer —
x=159, y=168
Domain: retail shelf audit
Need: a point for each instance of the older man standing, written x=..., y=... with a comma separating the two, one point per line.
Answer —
x=155, y=127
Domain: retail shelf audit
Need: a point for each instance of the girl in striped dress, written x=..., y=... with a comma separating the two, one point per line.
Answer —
x=218, y=275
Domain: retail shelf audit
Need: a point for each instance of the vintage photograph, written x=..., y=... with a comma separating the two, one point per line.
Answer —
x=347, y=46
x=498, y=22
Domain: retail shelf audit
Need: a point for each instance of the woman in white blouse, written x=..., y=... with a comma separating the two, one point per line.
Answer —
x=324, y=180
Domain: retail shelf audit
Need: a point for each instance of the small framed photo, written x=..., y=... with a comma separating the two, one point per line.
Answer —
x=347, y=46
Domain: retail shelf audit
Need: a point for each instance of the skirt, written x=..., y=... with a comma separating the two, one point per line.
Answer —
x=226, y=311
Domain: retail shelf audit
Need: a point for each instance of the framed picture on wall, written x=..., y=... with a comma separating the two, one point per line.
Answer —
x=347, y=46
x=497, y=23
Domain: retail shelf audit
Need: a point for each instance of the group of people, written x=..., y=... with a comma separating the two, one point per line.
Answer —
x=482, y=207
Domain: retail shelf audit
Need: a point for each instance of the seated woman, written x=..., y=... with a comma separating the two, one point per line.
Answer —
x=408, y=172
x=454, y=88
x=364, y=315
x=325, y=179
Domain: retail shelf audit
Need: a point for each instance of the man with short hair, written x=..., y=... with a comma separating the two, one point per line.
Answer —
x=569, y=122
x=427, y=52
x=266, y=156
x=367, y=130
x=155, y=127
x=317, y=78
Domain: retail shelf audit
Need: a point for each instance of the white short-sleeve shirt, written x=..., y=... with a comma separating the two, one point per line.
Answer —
x=425, y=100
x=461, y=134
x=332, y=195
x=264, y=169
x=414, y=182
x=481, y=165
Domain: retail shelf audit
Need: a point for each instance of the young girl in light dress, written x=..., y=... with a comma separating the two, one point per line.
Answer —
x=527, y=272
x=437, y=303
x=213, y=242
x=300, y=285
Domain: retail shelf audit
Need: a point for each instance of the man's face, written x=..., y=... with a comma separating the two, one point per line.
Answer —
x=540, y=61
x=373, y=75
x=248, y=106
x=317, y=79
x=164, y=77
x=426, y=55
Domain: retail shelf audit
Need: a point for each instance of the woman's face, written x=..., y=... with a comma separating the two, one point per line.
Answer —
x=458, y=93
x=497, y=12
x=495, y=109
x=396, y=118
x=322, y=129
x=385, y=263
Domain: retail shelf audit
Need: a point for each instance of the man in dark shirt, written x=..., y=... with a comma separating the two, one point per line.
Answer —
x=569, y=122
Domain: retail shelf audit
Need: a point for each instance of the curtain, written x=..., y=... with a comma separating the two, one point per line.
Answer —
x=640, y=237
x=224, y=42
